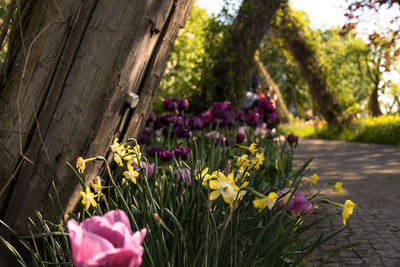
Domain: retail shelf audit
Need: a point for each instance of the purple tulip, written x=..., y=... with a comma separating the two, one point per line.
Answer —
x=259, y=111
x=228, y=122
x=291, y=138
x=105, y=241
x=184, y=175
x=150, y=119
x=157, y=123
x=207, y=118
x=166, y=155
x=297, y=205
x=242, y=130
x=272, y=119
x=182, y=153
x=182, y=132
x=170, y=104
x=239, y=138
x=221, y=110
x=266, y=105
x=178, y=120
x=253, y=119
x=145, y=136
x=183, y=104
x=240, y=116
x=153, y=151
x=195, y=123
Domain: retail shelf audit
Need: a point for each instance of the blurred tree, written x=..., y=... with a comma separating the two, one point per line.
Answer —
x=230, y=76
x=267, y=83
x=303, y=48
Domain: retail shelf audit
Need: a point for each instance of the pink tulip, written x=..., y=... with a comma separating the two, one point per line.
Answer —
x=105, y=241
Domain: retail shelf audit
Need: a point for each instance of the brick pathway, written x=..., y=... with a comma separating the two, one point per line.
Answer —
x=371, y=179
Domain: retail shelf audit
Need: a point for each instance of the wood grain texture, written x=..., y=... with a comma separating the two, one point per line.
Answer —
x=106, y=51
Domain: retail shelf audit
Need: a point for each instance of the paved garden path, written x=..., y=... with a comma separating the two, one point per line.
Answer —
x=371, y=179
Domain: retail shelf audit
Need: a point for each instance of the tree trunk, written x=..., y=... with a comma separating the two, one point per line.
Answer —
x=231, y=75
x=64, y=91
x=374, y=103
x=324, y=100
x=267, y=82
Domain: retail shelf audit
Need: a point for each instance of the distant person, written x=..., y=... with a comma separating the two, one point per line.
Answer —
x=308, y=114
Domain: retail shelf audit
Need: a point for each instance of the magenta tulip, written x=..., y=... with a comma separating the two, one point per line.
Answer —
x=105, y=241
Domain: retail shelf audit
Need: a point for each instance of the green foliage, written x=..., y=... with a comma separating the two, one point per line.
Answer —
x=184, y=67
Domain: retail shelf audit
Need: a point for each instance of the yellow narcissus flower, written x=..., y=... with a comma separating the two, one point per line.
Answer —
x=225, y=186
x=251, y=148
x=80, y=164
x=268, y=201
x=258, y=160
x=314, y=179
x=347, y=210
x=242, y=162
x=118, y=159
x=97, y=188
x=88, y=198
x=203, y=176
x=131, y=174
x=337, y=187
x=117, y=147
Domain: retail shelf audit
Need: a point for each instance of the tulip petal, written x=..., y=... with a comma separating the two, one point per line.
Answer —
x=85, y=245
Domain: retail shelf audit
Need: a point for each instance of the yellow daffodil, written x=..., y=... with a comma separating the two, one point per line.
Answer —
x=337, y=187
x=117, y=147
x=225, y=186
x=347, y=210
x=251, y=148
x=258, y=160
x=80, y=164
x=88, y=198
x=118, y=159
x=268, y=201
x=241, y=175
x=203, y=176
x=97, y=188
x=131, y=174
x=242, y=162
x=314, y=179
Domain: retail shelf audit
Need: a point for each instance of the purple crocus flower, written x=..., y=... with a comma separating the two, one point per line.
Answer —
x=182, y=132
x=297, y=205
x=240, y=116
x=166, y=155
x=291, y=138
x=207, y=118
x=153, y=151
x=253, y=119
x=170, y=104
x=195, y=123
x=183, y=104
x=266, y=105
x=239, y=138
x=220, y=110
x=184, y=175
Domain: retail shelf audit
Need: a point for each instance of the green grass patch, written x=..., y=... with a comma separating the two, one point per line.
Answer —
x=381, y=130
